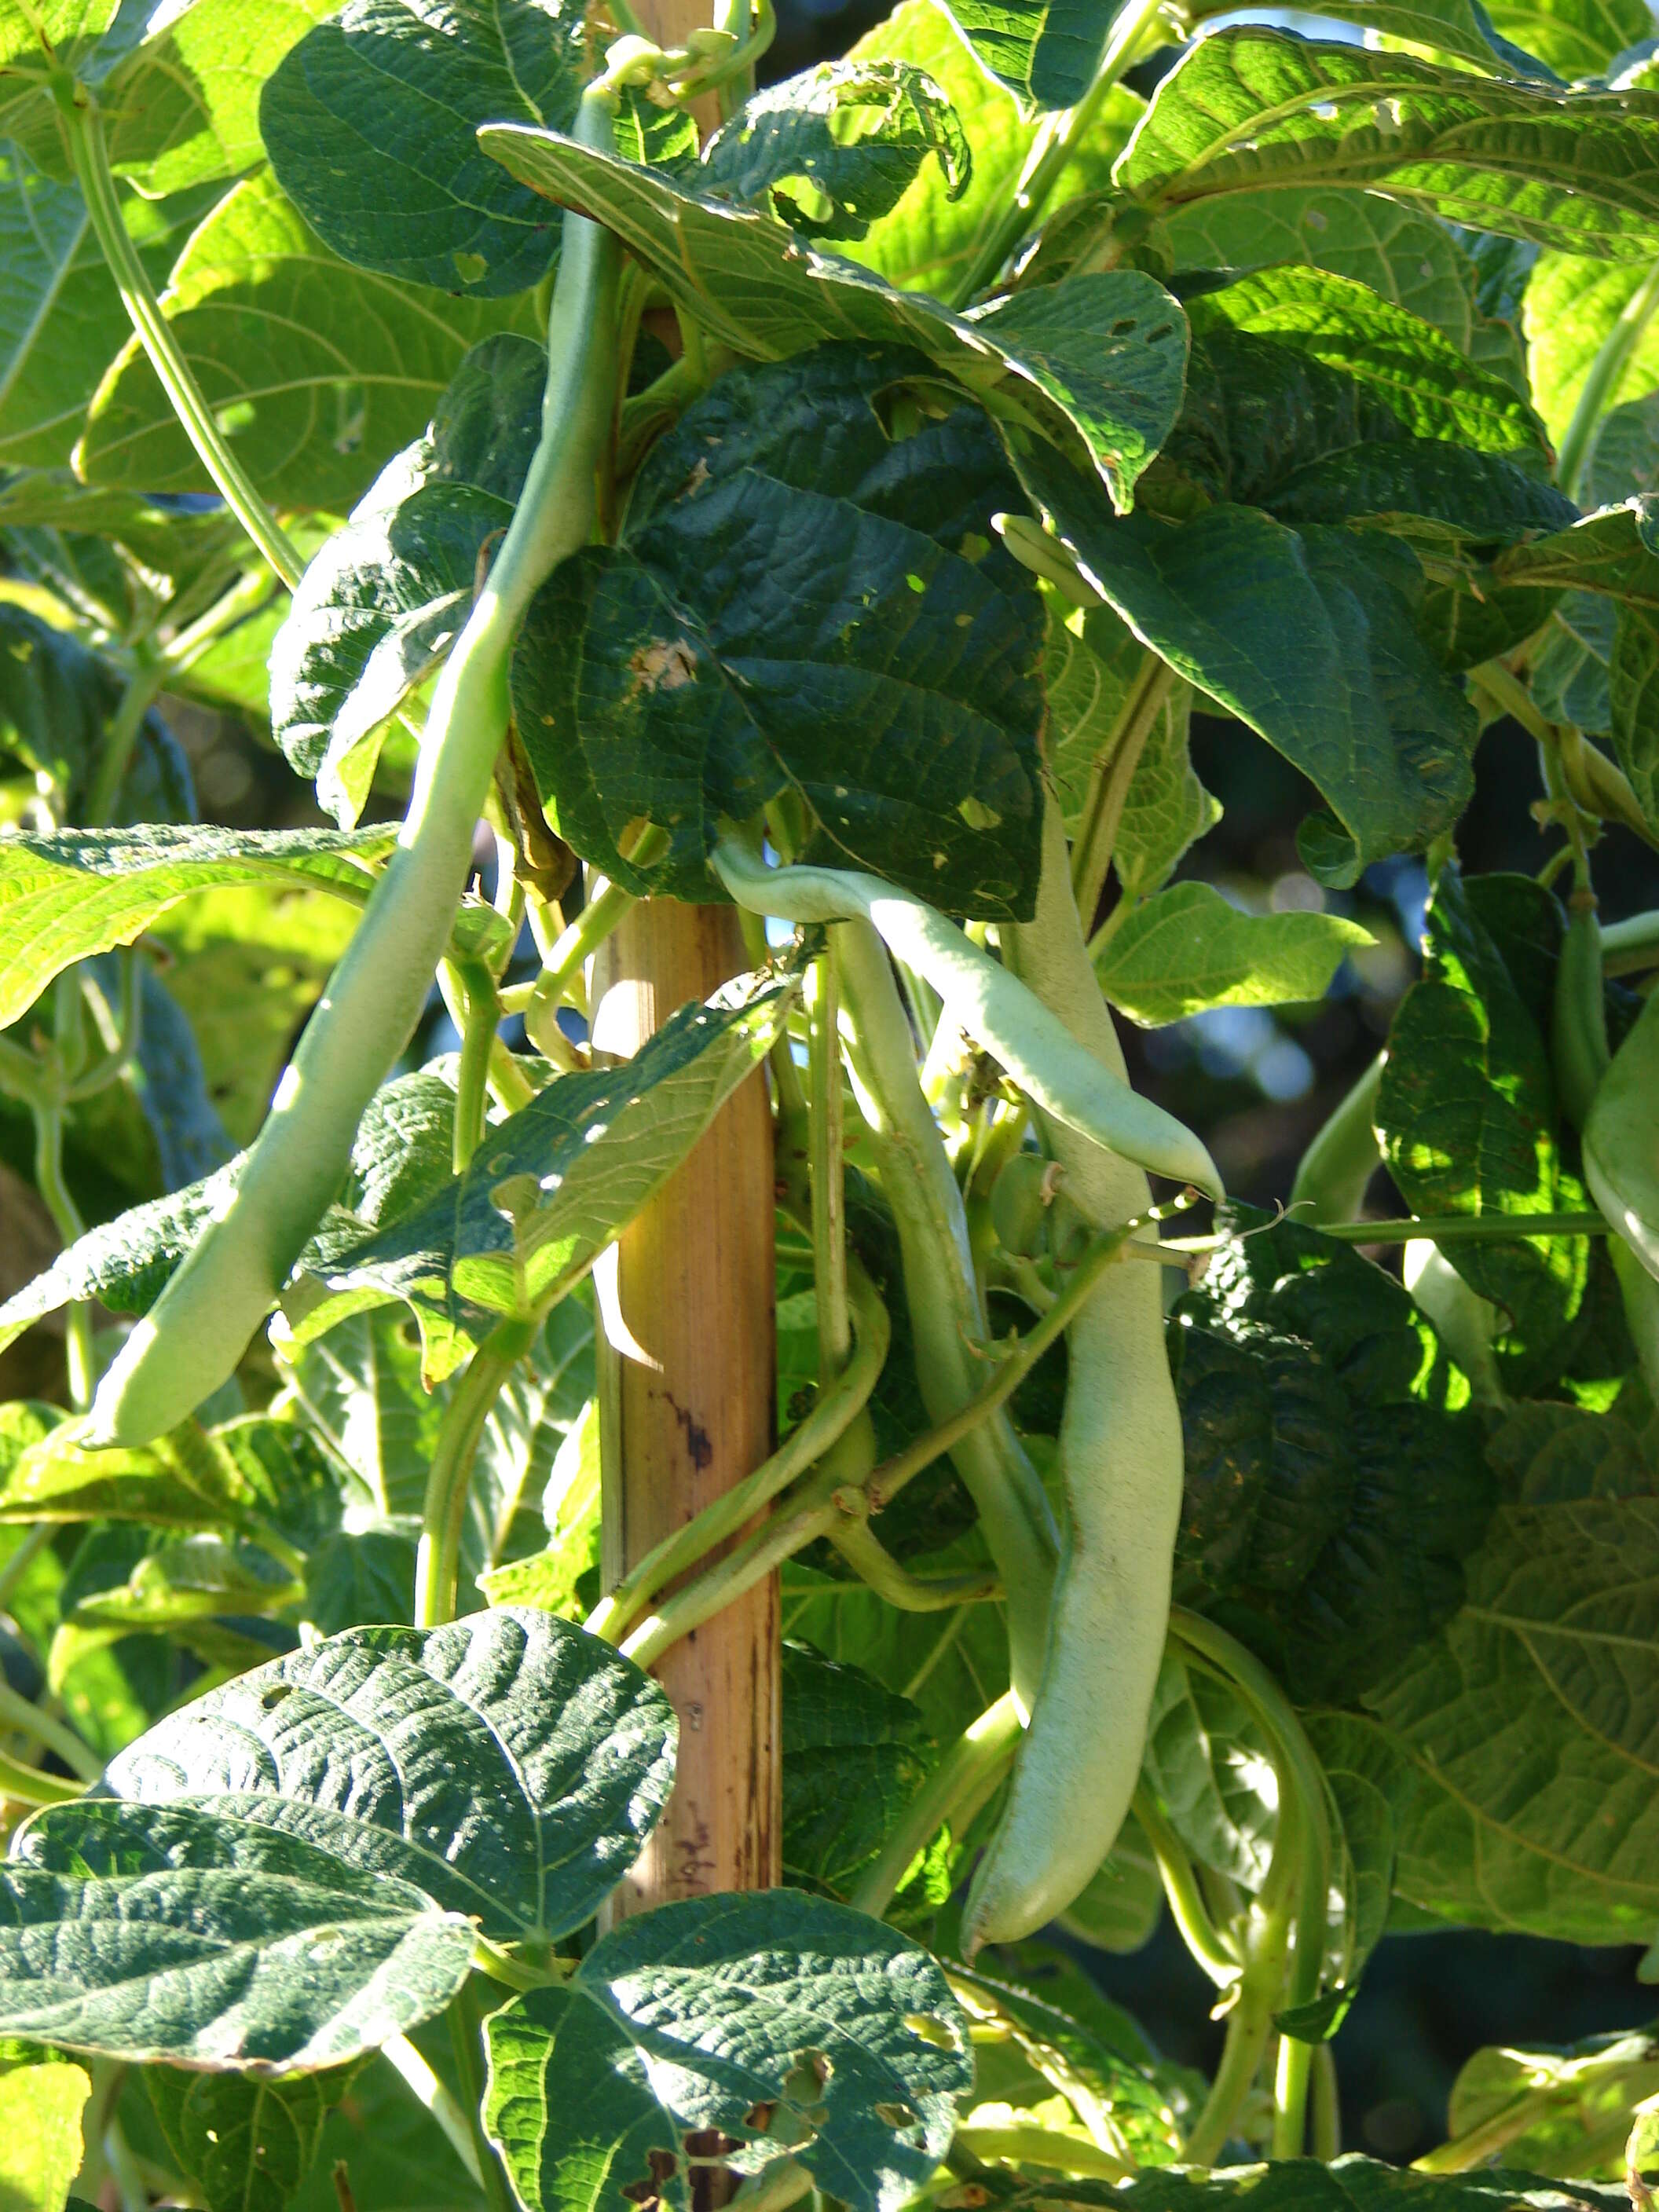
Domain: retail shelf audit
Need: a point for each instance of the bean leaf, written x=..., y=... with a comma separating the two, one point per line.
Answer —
x=686, y=2018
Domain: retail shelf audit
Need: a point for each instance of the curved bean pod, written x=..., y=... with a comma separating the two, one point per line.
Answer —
x=192, y=1339
x=1120, y=1460
x=1621, y=1140
x=983, y=996
x=1579, y=1016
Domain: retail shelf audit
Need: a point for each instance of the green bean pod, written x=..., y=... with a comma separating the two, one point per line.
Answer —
x=1467, y=1323
x=1578, y=1015
x=941, y=1295
x=1336, y=1170
x=1121, y=1462
x=1621, y=1140
x=192, y=1339
x=984, y=997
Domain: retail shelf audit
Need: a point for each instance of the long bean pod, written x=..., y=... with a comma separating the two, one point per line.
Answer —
x=1121, y=1462
x=192, y=1339
x=1621, y=1140
x=989, y=1001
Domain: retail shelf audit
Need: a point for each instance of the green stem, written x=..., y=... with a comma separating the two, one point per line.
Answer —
x=1327, y=2105
x=942, y=1293
x=1291, y=2097
x=478, y=1043
x=465, y=2041
x=1034, y=2146
x=17, y=1714
x=121, y=1046
x=1014, y=1364
x=1601, y=386
x=1632, y=946
x=1109, y=781
x=1337, y=1168
x=1054, y=148
x=81, y=1357
x=1191, y=1915
x=983, y=1752
x=872, y=1563
x=17, y=1565
x=829, y=1208
x=115, y=754
x=834, y=1412
x=85, y=129
x=1303, y=1849
x=28, y=1785
x=443, y=1515
x=406, y=2062
x=1249, y=2024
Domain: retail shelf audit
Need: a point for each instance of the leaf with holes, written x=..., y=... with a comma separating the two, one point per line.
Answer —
x=687, y=2018
x=1343, y=683
x=834, y=151
x=547, y=1189
x=1097, y=366
x=800, y=601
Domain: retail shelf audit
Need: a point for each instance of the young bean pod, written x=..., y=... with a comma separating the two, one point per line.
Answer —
x=1579, y=1016
x=985, y=999
x=1337, y=1168
x=192, y=1339
x=1121, y=1460
x=1467, y=1323
x=1621, y=1140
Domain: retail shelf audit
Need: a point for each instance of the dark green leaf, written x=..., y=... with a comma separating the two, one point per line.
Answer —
x=381, y=604
x=166, y=1932
x=1468, y=1119
x=1332, y=1489
x=1404, y=257
x=247, y=2145
x=853, y=1756
x=508, y=1766
x=371, y=121
x=1098, y=368
x=1045, y=52
x=1516, y=1746
x=832, y=151
x=686, y=2018
x=1342, y=682
x=868, y=644
x=1398, y=366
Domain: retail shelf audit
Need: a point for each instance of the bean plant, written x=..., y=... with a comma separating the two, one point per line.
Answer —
x=605, y=481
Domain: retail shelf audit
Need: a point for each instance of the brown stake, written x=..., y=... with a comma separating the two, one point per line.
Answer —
x=686, y=1409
